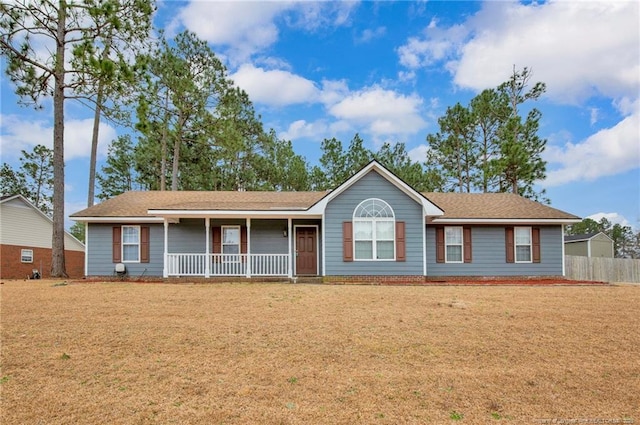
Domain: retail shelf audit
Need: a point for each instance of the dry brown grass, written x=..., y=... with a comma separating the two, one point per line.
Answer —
x=295, y=354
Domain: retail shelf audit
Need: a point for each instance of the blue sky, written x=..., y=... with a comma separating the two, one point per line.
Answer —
x=388, y=70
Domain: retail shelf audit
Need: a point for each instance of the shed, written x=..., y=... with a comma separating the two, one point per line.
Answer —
x=597, y=244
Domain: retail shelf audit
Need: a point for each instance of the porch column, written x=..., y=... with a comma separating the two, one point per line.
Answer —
x=207, y=249
x=291, y=258
x=248, y=247
x=165, y=270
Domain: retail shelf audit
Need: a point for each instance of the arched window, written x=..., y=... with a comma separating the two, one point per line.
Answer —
x=374, y=230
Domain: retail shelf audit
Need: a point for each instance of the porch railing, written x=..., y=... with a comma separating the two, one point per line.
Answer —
x=228, y=264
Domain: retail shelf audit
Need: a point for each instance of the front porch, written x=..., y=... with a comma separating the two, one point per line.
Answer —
x=231, y=247
x=210, y=265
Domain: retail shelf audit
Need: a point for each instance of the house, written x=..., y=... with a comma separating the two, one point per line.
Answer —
x=25, y=239
x=597, y=244
x=373, y=227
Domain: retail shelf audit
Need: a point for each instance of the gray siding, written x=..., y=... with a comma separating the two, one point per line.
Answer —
x=340, y=209
x=100, y=246
x=186, y=237
x=489, y=258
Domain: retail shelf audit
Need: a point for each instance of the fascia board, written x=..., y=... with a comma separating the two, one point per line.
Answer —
x=118, y=219
x=233, y=213
x=504, y=221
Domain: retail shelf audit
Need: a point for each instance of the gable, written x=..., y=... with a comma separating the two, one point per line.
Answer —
x=21, y=224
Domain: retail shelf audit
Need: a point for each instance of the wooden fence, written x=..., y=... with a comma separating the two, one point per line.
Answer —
x=602, y=269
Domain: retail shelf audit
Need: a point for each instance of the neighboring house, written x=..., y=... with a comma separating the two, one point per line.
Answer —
x=25, y=238
x=596, y=244
x=373, y=227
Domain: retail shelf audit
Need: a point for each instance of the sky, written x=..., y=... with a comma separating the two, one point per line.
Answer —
x=388, y=70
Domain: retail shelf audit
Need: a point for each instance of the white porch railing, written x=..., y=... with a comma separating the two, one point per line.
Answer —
x=228, y=264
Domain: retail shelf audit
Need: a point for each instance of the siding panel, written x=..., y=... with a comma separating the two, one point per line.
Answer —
x=489, y=255
x=99, y=257
x=340, y=209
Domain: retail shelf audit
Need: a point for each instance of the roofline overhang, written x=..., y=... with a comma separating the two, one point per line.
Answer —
x=118, y=219
x=234, y=213
x=503, y=221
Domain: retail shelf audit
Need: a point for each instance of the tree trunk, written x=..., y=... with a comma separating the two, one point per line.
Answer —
x=94, y=146
x=163, y=160
x=58, y=268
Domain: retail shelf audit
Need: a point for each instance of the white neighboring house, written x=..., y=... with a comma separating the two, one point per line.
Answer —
x=25, y=241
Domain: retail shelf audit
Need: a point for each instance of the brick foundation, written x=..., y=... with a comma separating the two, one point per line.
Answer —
x=12, y=268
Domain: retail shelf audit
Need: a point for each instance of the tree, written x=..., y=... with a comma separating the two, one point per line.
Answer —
x=585, y=227
x=488, y=111
x=454, y=148
x=337, y=165
x=66, y=28
x=185, y=84
x=34, y=179
x=126, y=26
x=520, y=163
x=280, y=168
x=77, y=230
x=118, y=174
x=397, y=160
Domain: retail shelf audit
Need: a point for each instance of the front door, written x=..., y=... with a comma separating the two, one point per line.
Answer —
x=306, y=251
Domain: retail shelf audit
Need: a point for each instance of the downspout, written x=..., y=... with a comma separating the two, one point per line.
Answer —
x=165, y=270
x=207, y=245
x=424, y=243
x=86, y=249
x=324, y=257
x=248, y=221
x=289, y=243
x=564, y=261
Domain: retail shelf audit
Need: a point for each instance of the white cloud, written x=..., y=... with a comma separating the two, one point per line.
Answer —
x=246, y=28
x=609, y=151
x=380, y=111
x=578, y=49
x=20, y=133
x=302, y=129
x=275, y=87
x=419, y=153
x=612, y=217
x=371, y=34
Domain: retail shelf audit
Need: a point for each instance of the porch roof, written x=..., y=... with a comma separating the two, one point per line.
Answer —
x=140, y=203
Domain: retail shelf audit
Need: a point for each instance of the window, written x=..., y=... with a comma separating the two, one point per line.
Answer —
x=523, y=244
x=231, y=242
x=374, y=231
x=130, y=244
x=26, y=255
x=453, y=244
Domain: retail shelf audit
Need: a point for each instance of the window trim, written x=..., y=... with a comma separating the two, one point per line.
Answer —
x=516, y=245
x=23, y=255
x=374, y=240
x=231, y=258
x=461, y=245
x=123, y=244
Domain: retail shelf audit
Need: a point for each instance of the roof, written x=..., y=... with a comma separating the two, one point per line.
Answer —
x=498, y=206
x=137, y=203
x=584, y=237
x=456, y=206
